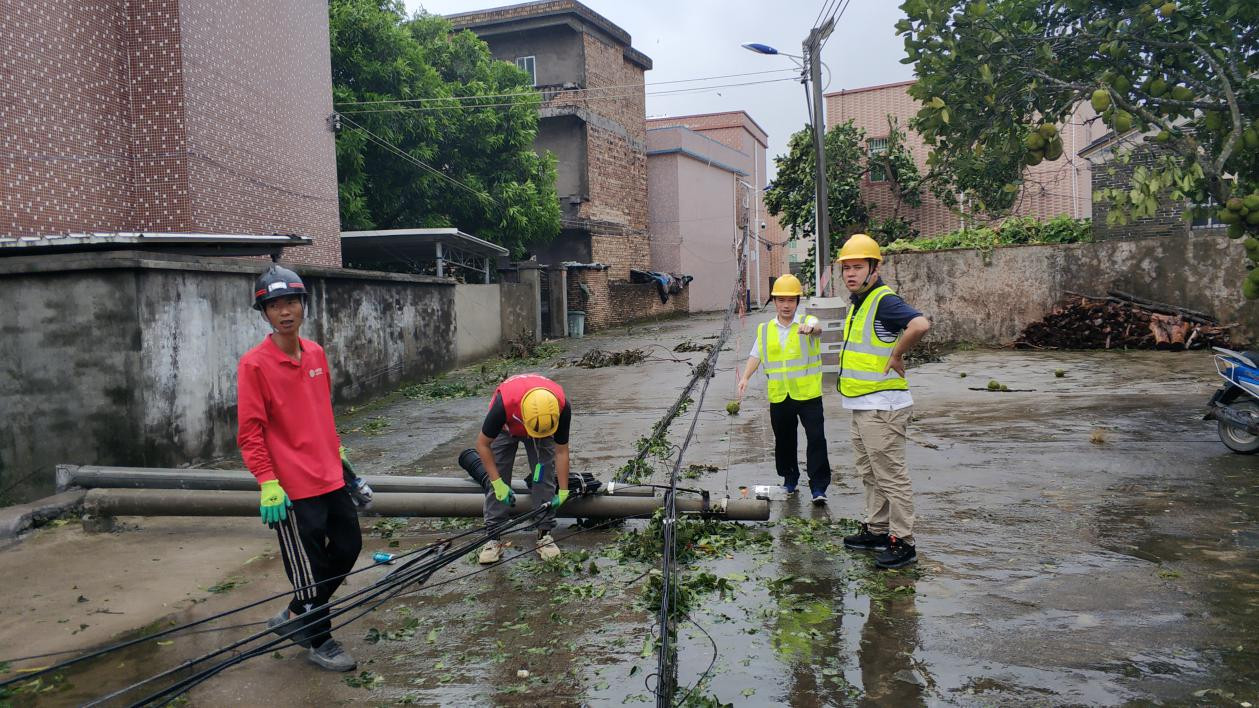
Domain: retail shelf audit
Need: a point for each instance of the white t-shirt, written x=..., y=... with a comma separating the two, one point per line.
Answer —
x=879, y=401
x=800, y=318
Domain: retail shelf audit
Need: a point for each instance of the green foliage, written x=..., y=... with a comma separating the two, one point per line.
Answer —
x=696, y=538
x=1014, y=231
x=1188, y=78
x=381, y=54
x=791, y=197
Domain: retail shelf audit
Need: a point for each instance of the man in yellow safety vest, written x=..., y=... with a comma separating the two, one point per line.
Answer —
x=879, y=329
x=791, y=350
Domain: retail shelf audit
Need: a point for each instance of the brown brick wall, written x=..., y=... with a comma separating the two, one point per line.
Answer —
x=617, y=302
x=1047, y=190
x=172, y=115
x=261, y=156
x=617, y=160
x=65, y=140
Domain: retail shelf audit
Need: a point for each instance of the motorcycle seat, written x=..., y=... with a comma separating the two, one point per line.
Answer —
x=1249, y=358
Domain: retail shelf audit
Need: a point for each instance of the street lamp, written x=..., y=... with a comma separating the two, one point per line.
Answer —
x=811, y=70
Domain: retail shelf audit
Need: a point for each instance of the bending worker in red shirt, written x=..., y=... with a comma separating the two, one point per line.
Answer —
x=289, y=441
x=532, y=409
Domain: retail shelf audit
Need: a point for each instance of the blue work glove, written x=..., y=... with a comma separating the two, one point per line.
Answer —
x=274, y=504
x=560, y=497
x=503, y=492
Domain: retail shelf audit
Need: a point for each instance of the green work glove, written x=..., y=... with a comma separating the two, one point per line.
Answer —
x=274, y=503
x=559, y=498
x=503, y=492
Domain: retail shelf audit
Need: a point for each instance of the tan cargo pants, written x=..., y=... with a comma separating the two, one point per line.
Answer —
x=878, y=437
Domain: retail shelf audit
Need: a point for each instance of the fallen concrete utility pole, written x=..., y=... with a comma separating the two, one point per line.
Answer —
x=93, y=477
x=173, y=502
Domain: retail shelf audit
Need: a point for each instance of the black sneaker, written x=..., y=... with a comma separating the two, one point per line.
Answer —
x=866, y=541
x=283, y=625
x=898, y=554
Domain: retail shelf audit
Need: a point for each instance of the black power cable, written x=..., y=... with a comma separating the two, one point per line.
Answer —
x=373, y=588
x=190, y=682
x=181, y=629
x=666, y=659
x=416, y=574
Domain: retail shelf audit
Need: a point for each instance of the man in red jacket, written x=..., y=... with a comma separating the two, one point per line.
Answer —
x=531, y=409
x=289, y=441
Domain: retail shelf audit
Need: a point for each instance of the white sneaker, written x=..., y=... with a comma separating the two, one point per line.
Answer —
x=547, y=548
x=491, y=552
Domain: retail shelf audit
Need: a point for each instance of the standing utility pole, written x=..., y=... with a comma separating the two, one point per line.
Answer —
x=812, y=55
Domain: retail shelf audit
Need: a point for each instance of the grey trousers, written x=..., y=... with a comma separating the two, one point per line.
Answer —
x=538, y=451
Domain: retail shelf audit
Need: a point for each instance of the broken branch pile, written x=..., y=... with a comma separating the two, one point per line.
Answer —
x=598, y=358
x=1122, y=321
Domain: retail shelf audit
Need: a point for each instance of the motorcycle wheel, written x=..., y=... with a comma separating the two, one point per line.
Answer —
x=1237, y=439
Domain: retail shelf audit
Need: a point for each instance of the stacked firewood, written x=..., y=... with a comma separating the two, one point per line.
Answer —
x=1122, y=321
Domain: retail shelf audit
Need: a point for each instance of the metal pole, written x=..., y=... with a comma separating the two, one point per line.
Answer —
x=93, y=477
x=813, y=54
x=178, y=502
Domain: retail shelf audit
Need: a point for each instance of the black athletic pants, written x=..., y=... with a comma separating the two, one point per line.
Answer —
x=319, y=542
x=782, y=417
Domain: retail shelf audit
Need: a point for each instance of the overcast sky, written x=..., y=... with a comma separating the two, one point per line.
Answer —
x=689, y=39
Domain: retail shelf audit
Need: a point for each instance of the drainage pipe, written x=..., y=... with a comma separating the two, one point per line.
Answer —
x=178, y=502
x=93, y=477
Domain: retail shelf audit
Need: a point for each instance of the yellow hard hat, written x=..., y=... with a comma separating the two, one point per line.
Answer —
x=787, y=286
x=540, y=411
x=859, y=247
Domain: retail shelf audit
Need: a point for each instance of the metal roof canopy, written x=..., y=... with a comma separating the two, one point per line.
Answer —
x=196, y=244
x=445, y=246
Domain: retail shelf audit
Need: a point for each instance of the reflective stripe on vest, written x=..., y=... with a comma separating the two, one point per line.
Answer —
x=865, y=356
x=794, y=366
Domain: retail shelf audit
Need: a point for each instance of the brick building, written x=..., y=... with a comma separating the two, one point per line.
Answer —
x=593, y=121
x=1168, y=220
x=168, y=115
x=1050, y=189
x=738, y=131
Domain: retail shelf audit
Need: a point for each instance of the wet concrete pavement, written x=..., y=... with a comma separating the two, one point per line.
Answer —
x=1087, y=541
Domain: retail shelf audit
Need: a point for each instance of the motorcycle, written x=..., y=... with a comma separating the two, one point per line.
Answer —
x=1235, y=407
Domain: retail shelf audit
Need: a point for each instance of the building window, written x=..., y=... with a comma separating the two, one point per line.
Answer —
x=876, y=147
x=528, y=65
x=1204, y=215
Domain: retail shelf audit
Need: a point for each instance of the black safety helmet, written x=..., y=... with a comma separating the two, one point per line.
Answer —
x=278, y=281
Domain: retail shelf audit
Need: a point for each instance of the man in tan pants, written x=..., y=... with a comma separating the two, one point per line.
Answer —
x=879, y=329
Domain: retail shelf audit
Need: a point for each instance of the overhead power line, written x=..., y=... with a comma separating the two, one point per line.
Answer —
x=564, y=97
x=536, y=92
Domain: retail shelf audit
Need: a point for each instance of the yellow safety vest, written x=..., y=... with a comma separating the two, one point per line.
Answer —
x=865, y=356
x=794, y=367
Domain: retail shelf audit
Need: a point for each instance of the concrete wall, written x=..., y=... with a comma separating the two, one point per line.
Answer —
x=519, y=312
x=989, y=299
x=128, y=358
x=478, y=321
x=691, y=187
x=565, y=137
x=557, y=51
